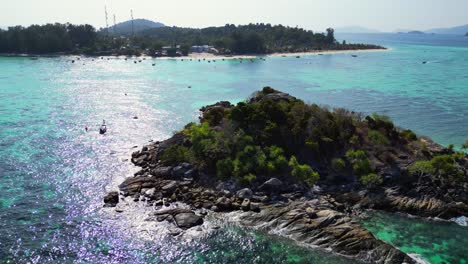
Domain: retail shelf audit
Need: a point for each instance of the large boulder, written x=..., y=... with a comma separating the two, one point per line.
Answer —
x=188, y=220
x=134, y=185
x=273, y=185
x=162, y=172
x=245, y=193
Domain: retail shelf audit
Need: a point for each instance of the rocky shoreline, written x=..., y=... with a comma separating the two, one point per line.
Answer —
x=322, y=216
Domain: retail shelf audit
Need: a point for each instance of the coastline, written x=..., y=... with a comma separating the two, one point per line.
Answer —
x=202, y=55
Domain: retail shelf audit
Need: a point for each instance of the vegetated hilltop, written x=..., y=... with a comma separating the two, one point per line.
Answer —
x=126, y=27
x=276, y=135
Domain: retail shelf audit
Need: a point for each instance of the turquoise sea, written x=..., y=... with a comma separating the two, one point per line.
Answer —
x=53, y=174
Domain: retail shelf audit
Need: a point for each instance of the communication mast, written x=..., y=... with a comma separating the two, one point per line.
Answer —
x=107, y=22
x=131, y=15
x=114, y=25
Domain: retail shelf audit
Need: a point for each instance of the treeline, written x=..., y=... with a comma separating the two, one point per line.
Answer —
x=230, y=39
x=252, y=38
x=49, y=38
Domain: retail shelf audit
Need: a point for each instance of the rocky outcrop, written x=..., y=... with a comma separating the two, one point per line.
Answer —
x=392, y=200
x=315, y=224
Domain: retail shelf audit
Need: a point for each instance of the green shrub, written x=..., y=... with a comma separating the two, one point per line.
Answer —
x=371, y=180
x=408, y=134
x=356, y=154
x=377, y=138
x=360, y=162
x=249, y=178
x=450, y=148
x=303, y=172
x=465, y=145
x=312, y=145
x=338, y=164
x=177, y=154
x=442, y=167
x=224, y=168
x=421, y=168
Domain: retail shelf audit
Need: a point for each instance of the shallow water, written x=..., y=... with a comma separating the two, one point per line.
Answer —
x=53, y=175
x=443, y=242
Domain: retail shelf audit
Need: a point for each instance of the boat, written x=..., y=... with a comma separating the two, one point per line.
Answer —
x=103, y=129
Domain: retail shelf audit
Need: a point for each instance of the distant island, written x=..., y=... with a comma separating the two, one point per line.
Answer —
x=276, y=162
x=416, y=32
x=458, y=30
x=155, y=39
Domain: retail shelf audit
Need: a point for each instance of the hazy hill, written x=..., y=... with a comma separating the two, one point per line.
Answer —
x=460, y=30
x=138, y=25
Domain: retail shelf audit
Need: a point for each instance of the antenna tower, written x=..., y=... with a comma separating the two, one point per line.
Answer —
x=114, y=25
x=107, y=22
x=131, y=14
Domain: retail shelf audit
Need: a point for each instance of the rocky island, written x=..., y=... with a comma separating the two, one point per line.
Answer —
x=305, y=171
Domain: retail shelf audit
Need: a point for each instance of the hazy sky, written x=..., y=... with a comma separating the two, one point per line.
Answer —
x=386, y=15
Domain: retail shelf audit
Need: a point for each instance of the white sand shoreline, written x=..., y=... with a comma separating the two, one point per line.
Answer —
x=210, y=56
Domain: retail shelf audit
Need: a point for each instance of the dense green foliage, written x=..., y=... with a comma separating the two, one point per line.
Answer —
x=371, y=180
x=275, y=135
x=442, y=169
x=252, y=38
x=47, y=38
x=230, y=39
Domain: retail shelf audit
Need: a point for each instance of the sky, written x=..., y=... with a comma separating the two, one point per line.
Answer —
x=383, y=15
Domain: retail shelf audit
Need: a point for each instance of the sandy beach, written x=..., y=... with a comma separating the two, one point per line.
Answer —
x=210, y=56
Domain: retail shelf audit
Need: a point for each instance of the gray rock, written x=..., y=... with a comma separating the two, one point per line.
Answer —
x=188, y=220
x=273, y=185
x=169, y=187
x=179, y=171
x=245, y=193
x=162, y=172
x=223, y=203
x=190, y=174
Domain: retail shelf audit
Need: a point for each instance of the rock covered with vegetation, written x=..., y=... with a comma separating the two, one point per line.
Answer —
x=302, y=170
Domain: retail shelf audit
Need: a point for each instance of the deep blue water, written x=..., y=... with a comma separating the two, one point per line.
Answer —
x=53, y=175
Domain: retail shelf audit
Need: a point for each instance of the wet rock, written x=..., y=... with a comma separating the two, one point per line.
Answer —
x=245, y=193
x=134, y=185
x=111, y=199
x=188, y=220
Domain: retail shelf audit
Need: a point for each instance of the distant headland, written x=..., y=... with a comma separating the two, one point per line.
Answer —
x=144, y=37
